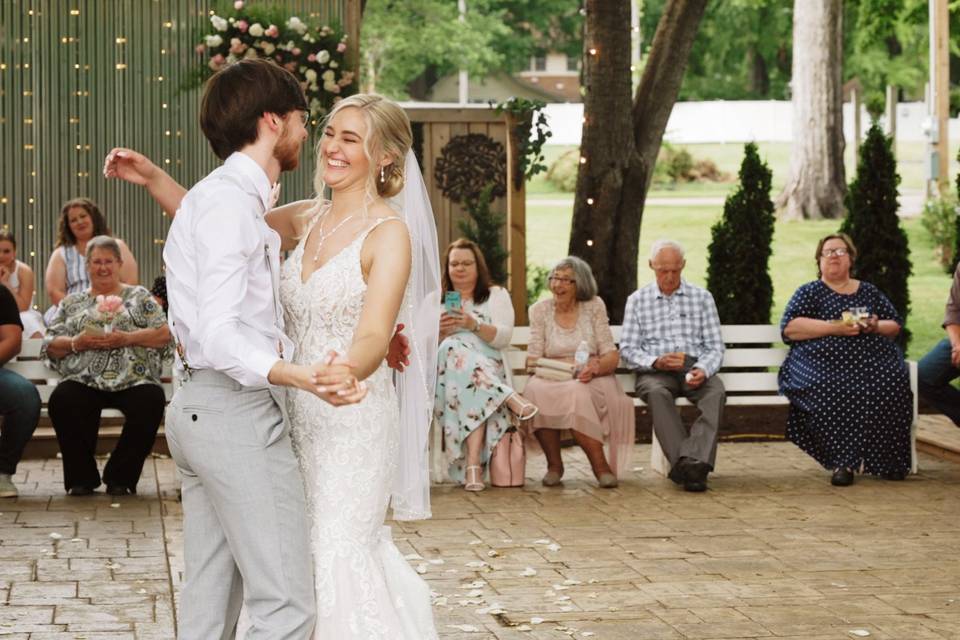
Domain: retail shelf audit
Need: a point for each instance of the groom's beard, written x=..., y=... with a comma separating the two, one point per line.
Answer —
x=287, y=152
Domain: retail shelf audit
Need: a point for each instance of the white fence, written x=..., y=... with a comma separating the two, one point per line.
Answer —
x=739, y=121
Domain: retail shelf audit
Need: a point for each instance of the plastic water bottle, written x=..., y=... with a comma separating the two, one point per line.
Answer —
x=581, y=357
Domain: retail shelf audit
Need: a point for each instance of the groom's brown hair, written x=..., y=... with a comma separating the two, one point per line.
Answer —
x=236, y=96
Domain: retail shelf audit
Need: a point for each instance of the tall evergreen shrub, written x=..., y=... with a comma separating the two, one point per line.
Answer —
x=872, y=222
x=737, y=274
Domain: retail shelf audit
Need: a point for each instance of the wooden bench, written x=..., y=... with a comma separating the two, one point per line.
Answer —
x=749, y=347
x=29, y=365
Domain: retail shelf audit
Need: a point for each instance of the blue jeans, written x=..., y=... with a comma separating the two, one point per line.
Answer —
x=20, y=410
x=934, y=374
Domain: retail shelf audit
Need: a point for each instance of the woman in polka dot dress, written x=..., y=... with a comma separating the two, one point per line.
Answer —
x=849, y=388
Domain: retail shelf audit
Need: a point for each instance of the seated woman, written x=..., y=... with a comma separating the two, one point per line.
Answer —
x=473, y=404
x=80, y=220
x=109, y=355
x=849, y=388
x=592, y=404
x=18, y=277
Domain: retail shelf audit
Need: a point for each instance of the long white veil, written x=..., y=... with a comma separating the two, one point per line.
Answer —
x=410, y=495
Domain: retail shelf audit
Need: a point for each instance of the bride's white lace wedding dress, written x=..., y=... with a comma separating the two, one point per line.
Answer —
x=365, y=589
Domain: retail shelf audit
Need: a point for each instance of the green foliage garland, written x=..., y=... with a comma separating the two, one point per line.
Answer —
x=530, y=120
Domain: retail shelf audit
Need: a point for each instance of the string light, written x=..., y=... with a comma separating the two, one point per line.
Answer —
x=589, y=200
x=583, y=159
x=592, y=51
x=589, y=243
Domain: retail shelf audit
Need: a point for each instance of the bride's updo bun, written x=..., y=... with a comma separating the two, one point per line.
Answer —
x=388, y=133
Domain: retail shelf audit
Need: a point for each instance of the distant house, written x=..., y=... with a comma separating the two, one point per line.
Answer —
x=551, y=78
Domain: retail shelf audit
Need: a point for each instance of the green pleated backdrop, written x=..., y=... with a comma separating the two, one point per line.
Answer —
x=78, y=77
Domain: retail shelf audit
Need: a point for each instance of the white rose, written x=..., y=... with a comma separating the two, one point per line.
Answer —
x=213, y=41
x=250, y=53
x=309, y=38
x=269, y=48
x=256, y=30
x=219, y=23
x=328, y=76
x=314, y=105
x=296, y=24
x=323, y=56
x=333, y=64
x=231, y=59
x=310, y=75
x=330, y=87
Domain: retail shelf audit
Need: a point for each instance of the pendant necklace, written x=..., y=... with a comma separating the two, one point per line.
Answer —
x=325, y=235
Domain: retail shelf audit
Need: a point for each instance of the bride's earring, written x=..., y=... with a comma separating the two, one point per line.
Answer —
x=382, y=178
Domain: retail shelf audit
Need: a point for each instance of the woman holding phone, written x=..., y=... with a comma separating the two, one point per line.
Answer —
x=473, y=404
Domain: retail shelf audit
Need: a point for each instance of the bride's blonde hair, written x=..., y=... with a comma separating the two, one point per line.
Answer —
x=388, y=133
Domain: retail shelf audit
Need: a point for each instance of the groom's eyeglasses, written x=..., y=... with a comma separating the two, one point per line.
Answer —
x=303, y=115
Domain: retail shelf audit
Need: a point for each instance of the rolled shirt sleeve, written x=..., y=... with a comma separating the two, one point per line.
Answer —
x=711, y=352
x=952, y=314
x=225, y=243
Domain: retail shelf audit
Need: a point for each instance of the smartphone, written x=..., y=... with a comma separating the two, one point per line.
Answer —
x=451, y=302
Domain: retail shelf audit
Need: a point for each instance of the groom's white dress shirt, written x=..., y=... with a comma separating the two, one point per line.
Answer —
x=223, y=272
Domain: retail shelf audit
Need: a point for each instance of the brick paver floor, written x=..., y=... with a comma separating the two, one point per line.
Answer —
x=771, y=551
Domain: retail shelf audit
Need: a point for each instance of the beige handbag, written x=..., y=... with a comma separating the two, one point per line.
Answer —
x=508, y=461
x=553, y=369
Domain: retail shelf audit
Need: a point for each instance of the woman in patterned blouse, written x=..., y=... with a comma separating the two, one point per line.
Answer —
x=106, y=360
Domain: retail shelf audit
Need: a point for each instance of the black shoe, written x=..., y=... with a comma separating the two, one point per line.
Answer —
x=79, y=490
x=696, y=476
x=120, y=490
x=842, y=477
x=896, y=476
x=677, y=473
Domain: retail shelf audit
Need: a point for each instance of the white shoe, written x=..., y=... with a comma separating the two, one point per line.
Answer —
x=7, y=488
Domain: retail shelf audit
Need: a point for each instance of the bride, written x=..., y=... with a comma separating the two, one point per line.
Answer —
x=360, y=262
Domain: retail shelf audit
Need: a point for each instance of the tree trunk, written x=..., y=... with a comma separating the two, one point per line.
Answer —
x=817, y=184
x=621, y=137
x=759, y=76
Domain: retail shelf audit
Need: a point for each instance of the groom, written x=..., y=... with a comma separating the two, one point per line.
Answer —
x=245, y=522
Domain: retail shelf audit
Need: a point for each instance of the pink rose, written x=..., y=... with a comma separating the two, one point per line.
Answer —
x=243, y=25
x=312, y=57
x=109, y=304
x=200, y=48
x=296, y=51
x=272, y=31
x=291, y=66
x=217, y=58
x=237, y=47
x=238, y=5
x=342, y=47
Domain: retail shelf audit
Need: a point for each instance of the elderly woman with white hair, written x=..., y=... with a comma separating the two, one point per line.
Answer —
x=585, y=399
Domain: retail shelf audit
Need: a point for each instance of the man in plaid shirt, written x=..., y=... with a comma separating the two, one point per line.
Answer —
x=671, y=337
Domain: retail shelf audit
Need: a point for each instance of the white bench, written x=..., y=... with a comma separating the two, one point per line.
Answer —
x=756, y=346
x=29, y=365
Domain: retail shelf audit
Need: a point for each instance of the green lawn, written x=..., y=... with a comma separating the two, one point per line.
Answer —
x=548, y=233
x=777, y=156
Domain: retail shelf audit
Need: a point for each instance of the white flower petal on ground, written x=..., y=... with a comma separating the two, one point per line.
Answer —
x=587, y=634
x=492, y=553
x=536, y=620
x=542, y=541
x=528, y=572
x=476, y=542
x=476, y=593
x=562, y=598
x=422, y=568
x=56, y=536
x=466, y=628
x=436, y=561
x=860, y=633
x=554, y=547
x=560, y=587
x=571, y=581
x=413, y=556
x=477, y=564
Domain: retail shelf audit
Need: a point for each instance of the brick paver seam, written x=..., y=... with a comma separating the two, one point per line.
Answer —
x=166, y=548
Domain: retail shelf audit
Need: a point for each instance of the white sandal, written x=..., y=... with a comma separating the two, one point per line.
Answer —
x=525, y=405
x=476, y=482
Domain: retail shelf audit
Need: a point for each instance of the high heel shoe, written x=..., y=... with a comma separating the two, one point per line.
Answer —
x=527, y=409
x=474, y=478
